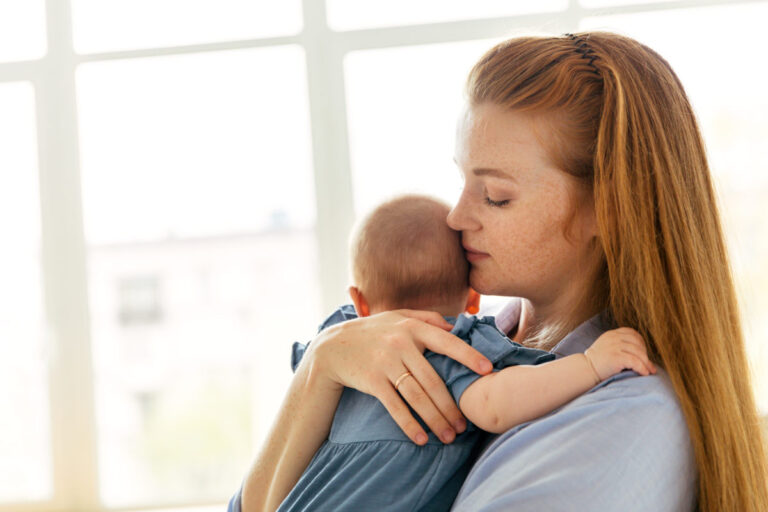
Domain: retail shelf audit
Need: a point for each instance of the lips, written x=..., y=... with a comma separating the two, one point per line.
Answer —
x=473, y=255
x=469, y=249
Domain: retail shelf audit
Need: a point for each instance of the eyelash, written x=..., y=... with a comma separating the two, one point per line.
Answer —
x=496, y=204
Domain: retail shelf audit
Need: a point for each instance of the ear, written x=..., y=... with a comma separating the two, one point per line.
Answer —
x=361, y=305
x=473, y=302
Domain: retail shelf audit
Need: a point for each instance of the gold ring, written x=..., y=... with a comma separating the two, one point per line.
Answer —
x=400, y=379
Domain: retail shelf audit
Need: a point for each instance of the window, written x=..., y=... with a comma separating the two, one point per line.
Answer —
x=22, y=30
x=359, y=14
x=139, y=301
x=111, y=25
x=25, y=467
x=177, y=181
x=210, y=208
x=402, y=105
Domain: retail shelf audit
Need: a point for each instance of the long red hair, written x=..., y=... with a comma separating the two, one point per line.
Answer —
x=624, y=126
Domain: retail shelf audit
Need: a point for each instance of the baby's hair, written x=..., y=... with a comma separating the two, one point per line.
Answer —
x=404, y=255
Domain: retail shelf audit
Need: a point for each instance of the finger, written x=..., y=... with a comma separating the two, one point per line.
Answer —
x=415, y=395
x=430, y=317
x=642, y=354
x=635, y=363
x=452, y=346
x=630, y=332
x=400, y=413
x=437, y=392
x=634, y=339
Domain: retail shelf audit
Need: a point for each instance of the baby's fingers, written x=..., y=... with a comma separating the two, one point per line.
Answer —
x=631, y=336
x=641, y=363
x=632, y=362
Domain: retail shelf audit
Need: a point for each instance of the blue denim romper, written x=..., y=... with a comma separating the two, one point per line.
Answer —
x=368, y=463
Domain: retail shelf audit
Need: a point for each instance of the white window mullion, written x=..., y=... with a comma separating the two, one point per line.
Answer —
x=73, y=433
x=18, y=71
x=330, y=152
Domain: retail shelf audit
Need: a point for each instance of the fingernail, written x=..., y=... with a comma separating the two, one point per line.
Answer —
x=486, y=366
x=421, y=438
x=448, y=435
x=460, y=425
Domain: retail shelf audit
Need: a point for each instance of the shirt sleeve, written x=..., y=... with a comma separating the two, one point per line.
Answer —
x=342, y=314
x=483, y=335
x=620, y=447
x=234, y=503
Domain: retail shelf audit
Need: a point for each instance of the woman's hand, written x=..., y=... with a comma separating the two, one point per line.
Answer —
x=371, y=353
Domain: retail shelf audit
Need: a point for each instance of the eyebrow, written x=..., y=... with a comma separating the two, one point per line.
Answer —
x=495, y=173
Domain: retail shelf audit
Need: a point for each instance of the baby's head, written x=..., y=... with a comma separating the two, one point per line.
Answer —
x=404, y=256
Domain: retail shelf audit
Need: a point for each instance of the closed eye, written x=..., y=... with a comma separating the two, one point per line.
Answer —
x=496, y=204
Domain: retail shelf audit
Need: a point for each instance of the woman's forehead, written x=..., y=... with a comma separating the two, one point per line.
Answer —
x=491, y=136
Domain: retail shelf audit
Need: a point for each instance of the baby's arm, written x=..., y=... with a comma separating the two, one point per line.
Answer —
x=514, y=395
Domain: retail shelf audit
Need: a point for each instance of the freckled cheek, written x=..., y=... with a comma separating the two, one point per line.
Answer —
x=531, y=246
x=513, y=245
x=541, y=261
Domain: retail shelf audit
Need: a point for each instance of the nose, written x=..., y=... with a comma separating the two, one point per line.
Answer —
x=460, y=218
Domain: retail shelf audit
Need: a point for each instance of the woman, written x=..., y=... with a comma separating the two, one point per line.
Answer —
x=587, y=191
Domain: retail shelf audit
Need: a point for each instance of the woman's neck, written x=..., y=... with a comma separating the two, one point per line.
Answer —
x=544, y=326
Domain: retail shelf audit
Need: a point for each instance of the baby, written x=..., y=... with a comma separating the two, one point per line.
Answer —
x=404, y=255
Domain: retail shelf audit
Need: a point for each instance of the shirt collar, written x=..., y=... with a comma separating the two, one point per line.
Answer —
x=506, y=315
x=578, y=340
x=582, y=337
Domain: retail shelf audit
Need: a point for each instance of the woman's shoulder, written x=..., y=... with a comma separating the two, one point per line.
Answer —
x=637, y=404
x=629, y=390
x=621, y=434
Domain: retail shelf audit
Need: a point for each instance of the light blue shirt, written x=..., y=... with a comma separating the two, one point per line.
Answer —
x=623, y=445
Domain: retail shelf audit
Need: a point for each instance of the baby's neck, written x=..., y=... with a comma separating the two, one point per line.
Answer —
x=446, y=310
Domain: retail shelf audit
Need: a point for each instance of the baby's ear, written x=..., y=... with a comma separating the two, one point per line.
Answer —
x=473, y=302
x=361, y=305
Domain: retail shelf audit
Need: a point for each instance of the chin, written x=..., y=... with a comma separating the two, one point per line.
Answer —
x=487, y=285
x=481, y=284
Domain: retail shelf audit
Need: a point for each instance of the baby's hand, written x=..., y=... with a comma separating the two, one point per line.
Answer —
x=619, y=349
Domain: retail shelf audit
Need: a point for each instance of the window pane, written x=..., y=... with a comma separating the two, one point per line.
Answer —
x=727, y=90
x=403, y=105
x=25, y=468
x=215, y=508
x=110, y=25
x=199, y=214
x=22, y=30
x=612, y=3
x=358, y=14
x=195, y=145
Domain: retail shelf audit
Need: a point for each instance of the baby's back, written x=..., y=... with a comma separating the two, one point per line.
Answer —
x=368, y=463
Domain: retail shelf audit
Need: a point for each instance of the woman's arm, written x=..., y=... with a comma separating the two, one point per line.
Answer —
x=367, y=354
x=302, y=424
x=502, y=400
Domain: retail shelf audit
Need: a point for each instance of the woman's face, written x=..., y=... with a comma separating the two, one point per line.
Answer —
x=514, y=208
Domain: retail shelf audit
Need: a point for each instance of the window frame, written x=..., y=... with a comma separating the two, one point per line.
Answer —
x=72, y=415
